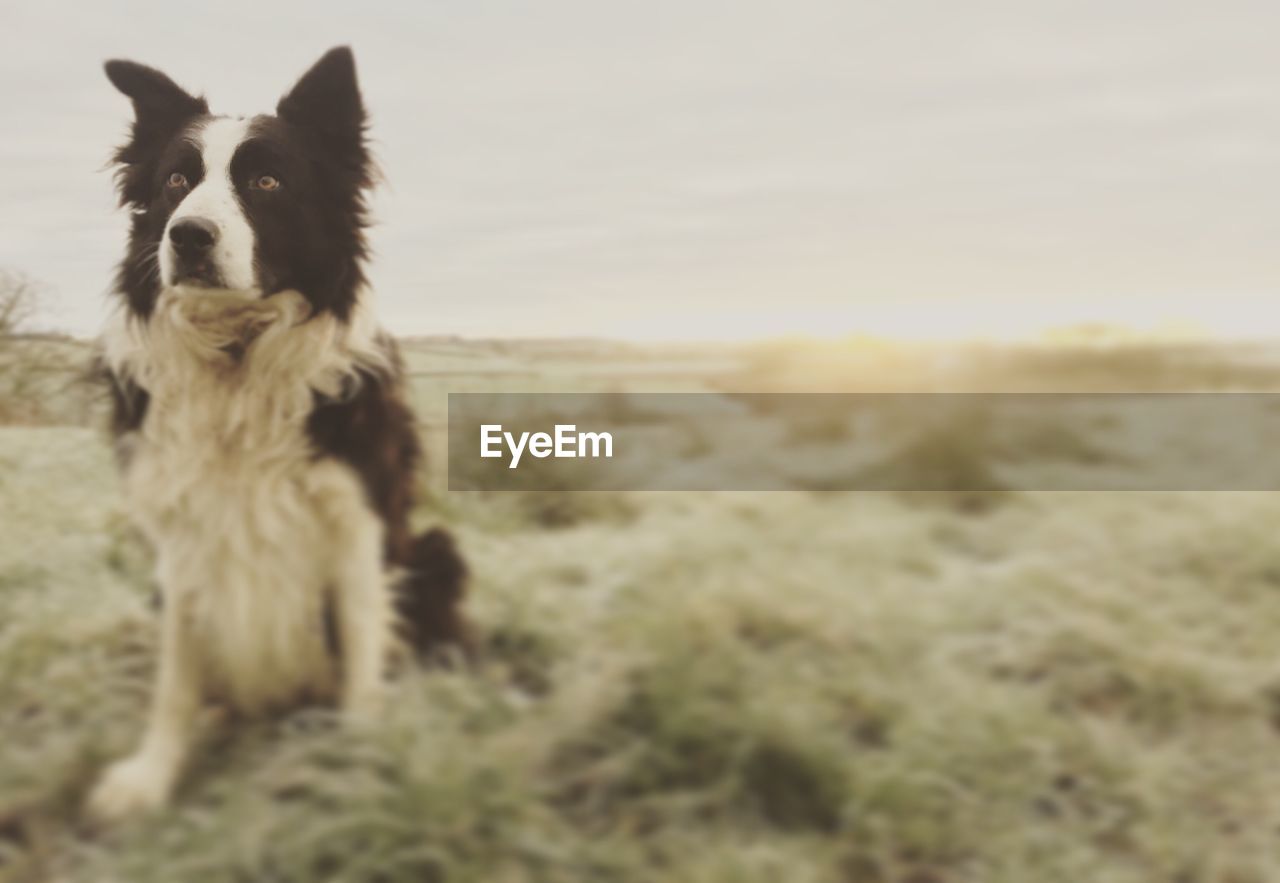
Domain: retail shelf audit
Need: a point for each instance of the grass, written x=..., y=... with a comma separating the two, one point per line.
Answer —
x=714, y=688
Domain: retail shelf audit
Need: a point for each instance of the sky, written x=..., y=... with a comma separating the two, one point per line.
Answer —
x=706, y=170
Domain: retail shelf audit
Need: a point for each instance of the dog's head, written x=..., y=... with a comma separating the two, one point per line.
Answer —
x=255, y=206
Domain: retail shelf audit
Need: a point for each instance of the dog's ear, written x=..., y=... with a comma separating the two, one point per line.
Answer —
x=160, y=109
x=327, y=101
x=326, y=110
x=157, y=100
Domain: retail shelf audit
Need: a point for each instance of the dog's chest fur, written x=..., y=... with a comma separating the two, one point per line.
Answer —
x=246, y=520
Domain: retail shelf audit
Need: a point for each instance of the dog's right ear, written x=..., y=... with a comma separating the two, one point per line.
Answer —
x=157, y=100
x=160, y=109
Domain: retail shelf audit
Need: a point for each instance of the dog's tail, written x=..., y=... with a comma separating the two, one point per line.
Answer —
x=430, y=599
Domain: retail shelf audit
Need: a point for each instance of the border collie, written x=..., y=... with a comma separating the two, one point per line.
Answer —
x=260, y=420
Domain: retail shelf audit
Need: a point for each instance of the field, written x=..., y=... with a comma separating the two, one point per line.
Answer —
x=993, y=687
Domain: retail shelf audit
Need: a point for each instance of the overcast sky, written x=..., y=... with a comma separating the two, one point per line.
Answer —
x=697, y=169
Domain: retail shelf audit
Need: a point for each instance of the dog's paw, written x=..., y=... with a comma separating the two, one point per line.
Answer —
x=364, y=708
x=130, y=787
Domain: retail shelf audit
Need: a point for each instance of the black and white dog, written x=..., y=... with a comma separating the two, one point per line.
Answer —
x=258, y=413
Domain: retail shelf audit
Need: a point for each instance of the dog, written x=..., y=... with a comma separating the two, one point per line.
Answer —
x=259, y=417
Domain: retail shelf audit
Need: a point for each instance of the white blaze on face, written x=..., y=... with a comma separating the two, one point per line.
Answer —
x=214, y=199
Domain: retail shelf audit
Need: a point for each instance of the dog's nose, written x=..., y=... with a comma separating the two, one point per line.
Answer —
x=192, y=237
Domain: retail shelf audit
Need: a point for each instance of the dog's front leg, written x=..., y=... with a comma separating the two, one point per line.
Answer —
x=364, y=608
x=144, y=780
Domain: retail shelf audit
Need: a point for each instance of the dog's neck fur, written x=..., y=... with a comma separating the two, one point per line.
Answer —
x=254, y=346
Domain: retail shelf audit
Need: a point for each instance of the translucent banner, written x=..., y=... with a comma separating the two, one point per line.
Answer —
x=864, y=442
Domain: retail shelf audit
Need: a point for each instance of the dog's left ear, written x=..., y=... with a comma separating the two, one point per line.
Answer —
x=327, y=99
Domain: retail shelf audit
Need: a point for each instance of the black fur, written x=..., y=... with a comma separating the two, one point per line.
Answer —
x=372, y=429
x=129, y=404
x=310, y=238
x=162, y=112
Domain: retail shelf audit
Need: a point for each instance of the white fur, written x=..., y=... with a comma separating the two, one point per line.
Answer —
x=254, y=536
x=214, y=199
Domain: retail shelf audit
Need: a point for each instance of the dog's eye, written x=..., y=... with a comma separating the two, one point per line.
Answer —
x=177, y=179
x=265, y=182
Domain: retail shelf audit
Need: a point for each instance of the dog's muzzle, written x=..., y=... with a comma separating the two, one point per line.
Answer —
x=192, y=241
